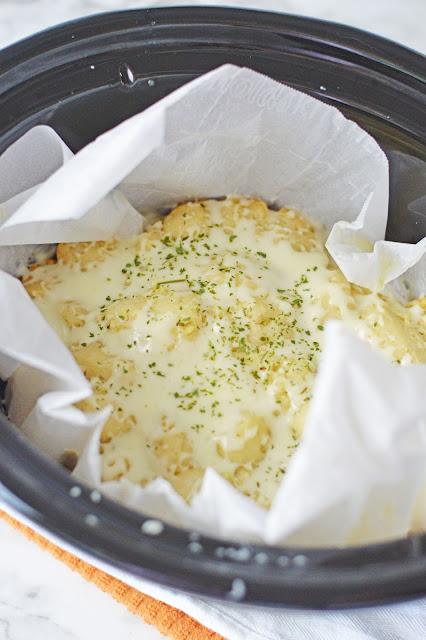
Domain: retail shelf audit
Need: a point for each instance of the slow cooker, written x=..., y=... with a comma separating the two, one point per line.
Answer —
x=84, y=77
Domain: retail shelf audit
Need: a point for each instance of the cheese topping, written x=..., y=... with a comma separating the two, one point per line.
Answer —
x=205, y=333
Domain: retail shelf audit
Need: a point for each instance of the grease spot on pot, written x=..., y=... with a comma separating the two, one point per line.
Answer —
x=300, y=560
x=152, y=527
x=95, y=496
x=91, y=520
x=75, y=492
x=238, y=589
x=261, y=558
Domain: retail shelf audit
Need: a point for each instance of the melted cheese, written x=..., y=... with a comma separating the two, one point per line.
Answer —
x=205, y=334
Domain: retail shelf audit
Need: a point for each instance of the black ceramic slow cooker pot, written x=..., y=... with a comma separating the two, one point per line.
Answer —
x=86, y=76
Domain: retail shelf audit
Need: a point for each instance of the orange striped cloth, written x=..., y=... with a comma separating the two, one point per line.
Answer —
x=168, y=620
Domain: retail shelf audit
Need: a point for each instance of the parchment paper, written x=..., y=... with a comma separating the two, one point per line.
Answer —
x=359, y=473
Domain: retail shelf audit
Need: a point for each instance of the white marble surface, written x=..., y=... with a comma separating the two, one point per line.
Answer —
x=41, y=599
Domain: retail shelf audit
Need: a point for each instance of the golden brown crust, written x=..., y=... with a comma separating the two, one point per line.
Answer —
x=84, y=253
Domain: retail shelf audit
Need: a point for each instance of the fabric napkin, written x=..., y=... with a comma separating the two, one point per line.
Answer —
x=185, y=617
x=167, y=619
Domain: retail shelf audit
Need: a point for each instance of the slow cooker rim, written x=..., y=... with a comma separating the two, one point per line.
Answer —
x=299, y=575
x=371, y=43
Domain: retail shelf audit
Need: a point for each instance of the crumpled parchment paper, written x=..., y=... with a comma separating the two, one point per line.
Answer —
x=359, y=473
